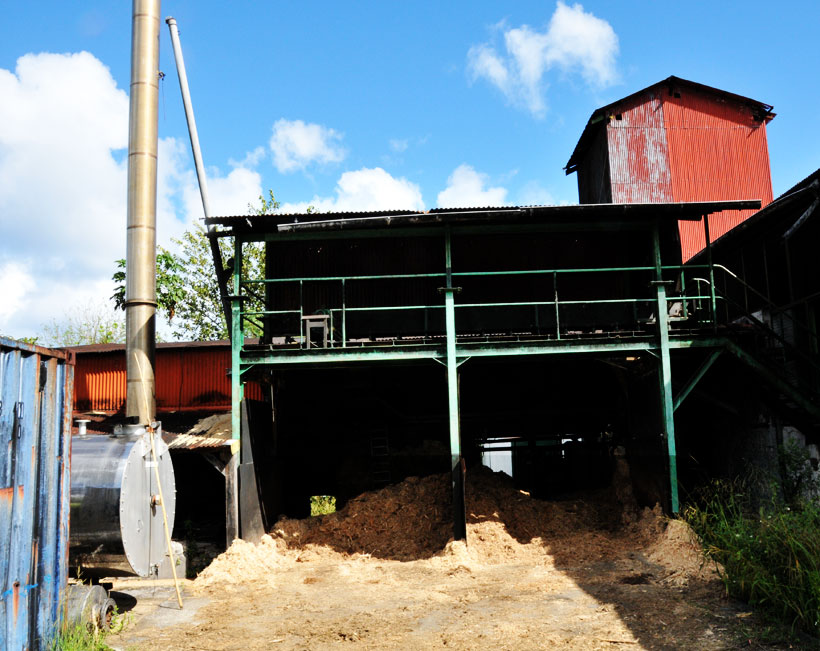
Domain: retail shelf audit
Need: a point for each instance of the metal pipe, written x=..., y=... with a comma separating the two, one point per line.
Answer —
x=140, y=284
x=216, y=254
x=189, y=115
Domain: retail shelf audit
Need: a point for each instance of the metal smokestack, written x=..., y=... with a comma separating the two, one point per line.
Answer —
x=140, y=288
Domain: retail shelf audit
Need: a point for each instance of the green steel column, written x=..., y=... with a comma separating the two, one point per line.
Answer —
x=237, y=341
x=459, y=507
x=665, y=371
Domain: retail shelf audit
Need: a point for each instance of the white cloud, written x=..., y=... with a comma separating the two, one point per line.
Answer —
x=465, y=189
x=63, y=134
x=252, y=158
x=296, y=144
x=534, y=194
x=17, y=282
x=574, y=41
x=399, y=145
x=365, y=189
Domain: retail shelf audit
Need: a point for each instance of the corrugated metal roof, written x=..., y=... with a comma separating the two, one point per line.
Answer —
x=598, y=118
x=794, y=199
x=502, y=214
x=192, y=442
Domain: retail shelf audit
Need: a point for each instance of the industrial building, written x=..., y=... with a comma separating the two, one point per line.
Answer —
x=403, y=343
x=677, y=140
x=397, y=343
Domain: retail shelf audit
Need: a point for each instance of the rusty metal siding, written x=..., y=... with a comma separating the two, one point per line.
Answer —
x=717, y=151
x=639, y=153
x=680, y=141
x=35, y=429
x=187, y=378
x=99, y=382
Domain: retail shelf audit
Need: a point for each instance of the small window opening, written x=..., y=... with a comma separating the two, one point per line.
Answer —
x=618, y=116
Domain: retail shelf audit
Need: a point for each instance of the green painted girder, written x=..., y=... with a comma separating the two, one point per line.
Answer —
x=399, y=353
x=344, y=355
x=697, y=377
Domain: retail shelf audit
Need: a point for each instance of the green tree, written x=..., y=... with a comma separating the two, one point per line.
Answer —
x=93, y=323
x=170, y=289
x=187, y=285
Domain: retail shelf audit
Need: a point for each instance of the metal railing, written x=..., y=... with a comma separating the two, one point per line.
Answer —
x=545, y=297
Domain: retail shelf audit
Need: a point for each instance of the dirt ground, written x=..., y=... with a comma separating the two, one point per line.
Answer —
x=589, y=573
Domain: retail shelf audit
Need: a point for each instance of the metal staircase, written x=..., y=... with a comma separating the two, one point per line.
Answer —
x=779, y=349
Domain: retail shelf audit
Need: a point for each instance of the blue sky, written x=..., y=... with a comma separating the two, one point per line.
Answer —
x=348, y=106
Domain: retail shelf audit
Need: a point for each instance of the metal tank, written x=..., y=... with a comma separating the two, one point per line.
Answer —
x=115, y=500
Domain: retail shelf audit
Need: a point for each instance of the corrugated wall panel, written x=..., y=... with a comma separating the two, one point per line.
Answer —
x=35, y=421
x=717, y=151
x=99, y=382
x=638, y=153
x=593, y=176
x=186, y=378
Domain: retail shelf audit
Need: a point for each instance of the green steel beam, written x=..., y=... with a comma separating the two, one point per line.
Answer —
x=459, y=506
x=437, y=352
x=343, y=355
x=553, y=347
x=237, y=342
x=665, y=371
x=687, y=389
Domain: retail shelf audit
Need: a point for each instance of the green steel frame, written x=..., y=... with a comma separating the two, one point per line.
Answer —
x=452, y=352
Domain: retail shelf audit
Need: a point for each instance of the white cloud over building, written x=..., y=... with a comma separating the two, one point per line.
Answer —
x=574, y=42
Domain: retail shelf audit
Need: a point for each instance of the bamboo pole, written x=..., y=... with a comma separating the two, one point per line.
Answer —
x=151, y=433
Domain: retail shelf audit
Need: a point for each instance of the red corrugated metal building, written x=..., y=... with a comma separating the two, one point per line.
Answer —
x=677, y=141
x=189, y=375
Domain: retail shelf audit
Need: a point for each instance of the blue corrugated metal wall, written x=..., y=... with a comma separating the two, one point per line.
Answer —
x=35, y=448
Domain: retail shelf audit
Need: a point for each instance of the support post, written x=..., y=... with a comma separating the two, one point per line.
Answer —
x=457, y=464
x=713, y=296
x=665, y=371
x=237, y=340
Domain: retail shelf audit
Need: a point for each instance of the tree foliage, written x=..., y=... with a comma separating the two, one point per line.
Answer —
x=93, y=323
x=187, y=286
x=170, y=289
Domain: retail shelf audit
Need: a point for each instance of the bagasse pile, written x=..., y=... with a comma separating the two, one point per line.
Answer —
x=412, y=520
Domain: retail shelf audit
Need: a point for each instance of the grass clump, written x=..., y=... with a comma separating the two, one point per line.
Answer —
x=322, y=504
x=769, y=557
x=79, y=637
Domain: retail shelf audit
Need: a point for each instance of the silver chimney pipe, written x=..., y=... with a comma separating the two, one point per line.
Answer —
x=141, y=253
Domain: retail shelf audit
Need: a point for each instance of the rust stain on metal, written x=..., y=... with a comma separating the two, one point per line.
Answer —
x=20, y=492
x=6, y=495
x=639, y=153
x=15, y=600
